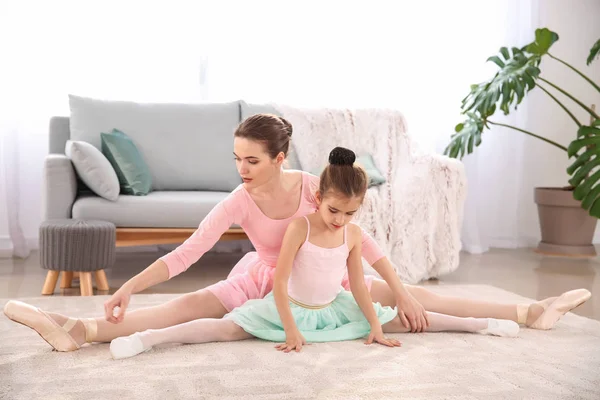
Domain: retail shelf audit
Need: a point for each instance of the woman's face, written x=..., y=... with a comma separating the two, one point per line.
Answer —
x=253, y=163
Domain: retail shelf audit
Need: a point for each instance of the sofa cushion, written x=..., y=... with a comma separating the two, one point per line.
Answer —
x=93, y=169
x=163, y=209
x=186, y=146
x=128, y=163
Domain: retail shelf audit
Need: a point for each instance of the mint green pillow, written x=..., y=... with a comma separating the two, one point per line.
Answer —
x=127, y=161
x=376, y=178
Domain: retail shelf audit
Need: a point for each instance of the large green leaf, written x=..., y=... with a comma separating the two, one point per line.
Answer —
x=467, y=136
x=544, y=39
x=585, y=171
x=594, y=52
x=517, y=75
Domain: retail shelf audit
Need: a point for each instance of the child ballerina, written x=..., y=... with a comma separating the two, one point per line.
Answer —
x=308, y=303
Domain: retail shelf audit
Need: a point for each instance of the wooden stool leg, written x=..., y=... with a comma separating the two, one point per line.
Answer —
x=50, y=283
x=66, y=279
x=85, y=283
x=101, y=281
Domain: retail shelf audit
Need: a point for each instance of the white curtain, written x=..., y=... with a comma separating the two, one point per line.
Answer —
x=418, y=57
x=125, y=50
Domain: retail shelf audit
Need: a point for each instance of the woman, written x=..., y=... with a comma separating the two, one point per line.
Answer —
x=269, y=198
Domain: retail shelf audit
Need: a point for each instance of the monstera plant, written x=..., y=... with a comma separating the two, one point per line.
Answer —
x=519, y=73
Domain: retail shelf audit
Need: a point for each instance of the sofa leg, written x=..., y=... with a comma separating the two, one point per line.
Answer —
x=85, y=283
x=101, y=281
x=50, y=283
x=66, y=279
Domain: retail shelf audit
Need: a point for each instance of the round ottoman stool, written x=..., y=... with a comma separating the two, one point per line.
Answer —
x=76, y=247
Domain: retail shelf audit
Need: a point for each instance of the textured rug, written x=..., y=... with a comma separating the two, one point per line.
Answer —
x=563, y=363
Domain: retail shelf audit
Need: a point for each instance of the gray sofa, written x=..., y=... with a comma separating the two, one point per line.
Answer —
x=415, y=217
x=192, y=166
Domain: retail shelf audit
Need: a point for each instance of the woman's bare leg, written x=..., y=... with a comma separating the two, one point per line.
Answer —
x=188, y=307
x=456, y=306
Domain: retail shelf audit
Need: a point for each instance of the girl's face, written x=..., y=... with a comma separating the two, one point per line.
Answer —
x=337, y=210
x=253, y=163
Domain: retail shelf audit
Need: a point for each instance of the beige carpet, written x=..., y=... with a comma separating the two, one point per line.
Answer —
x=560, y=364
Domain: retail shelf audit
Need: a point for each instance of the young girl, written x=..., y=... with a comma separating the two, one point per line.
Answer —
x=308, y=302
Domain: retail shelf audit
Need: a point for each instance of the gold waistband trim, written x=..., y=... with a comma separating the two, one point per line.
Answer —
x=308, y=306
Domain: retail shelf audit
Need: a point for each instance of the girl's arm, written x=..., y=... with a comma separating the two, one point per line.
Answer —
x=361, y=292
x=292, y=241
x=357, y=279
x=412, y=313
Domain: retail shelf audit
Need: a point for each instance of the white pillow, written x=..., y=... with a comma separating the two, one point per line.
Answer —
x=94, y=169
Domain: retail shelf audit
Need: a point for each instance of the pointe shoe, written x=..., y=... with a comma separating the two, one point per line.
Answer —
x=559, y=307
x=57, y=336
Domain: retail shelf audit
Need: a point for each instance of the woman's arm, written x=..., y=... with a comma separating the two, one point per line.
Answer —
x=222, y=216
x=229, y=211
x=154, y=274
x=292, y=241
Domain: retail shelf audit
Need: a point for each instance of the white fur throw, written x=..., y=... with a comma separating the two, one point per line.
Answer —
x=416, y=215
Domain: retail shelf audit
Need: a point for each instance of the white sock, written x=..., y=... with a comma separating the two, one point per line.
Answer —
x=127, y=346
x=501, y=327
x=198, y=331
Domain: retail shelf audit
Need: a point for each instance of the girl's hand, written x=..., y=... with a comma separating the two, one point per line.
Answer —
x=412, y=313
x=293, y=340
x=376, y=335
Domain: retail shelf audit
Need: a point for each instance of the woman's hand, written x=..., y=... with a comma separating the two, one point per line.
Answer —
x=377, y=336
x=293, y=340
x=118, y=301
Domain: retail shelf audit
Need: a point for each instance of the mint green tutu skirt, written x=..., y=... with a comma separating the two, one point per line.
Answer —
x=341, y=320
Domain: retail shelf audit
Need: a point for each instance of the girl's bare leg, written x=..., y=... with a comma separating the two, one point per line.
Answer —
x=449, y=323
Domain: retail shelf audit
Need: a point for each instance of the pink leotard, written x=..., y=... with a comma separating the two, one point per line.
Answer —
x=252, y=276
x=317, y=273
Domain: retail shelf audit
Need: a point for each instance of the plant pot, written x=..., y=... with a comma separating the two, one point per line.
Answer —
x=567, y=229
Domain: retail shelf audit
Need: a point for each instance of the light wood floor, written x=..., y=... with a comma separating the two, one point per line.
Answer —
x=520, y=271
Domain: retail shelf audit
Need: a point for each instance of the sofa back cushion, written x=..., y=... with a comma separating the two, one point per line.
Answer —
x=186, y=146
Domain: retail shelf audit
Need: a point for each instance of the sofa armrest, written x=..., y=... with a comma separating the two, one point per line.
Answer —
x=60, y=187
